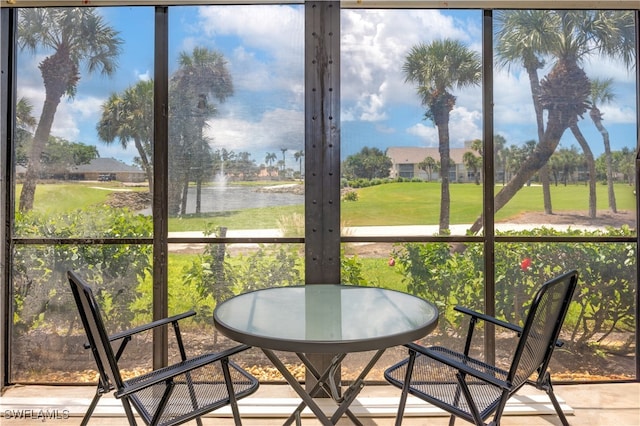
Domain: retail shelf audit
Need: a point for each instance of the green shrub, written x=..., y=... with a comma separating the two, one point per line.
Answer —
x=604, y=300
x=350, y=195
x=39, y=271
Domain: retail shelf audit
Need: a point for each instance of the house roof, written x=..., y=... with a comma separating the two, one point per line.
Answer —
x=414, y=155
x=105, y=165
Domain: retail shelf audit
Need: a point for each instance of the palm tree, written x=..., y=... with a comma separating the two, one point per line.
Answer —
x=24, y=114
x=202, y=74
x=567, y=163
x=513, y=47
x=284, y=163
x=76, y=36
x=129, y=117
x=565, y=91
x=515, y=155
x=25, y=123
x=299, y=155
x=473, y=164
x=602, y=93
x=437, y=68
x=591, y=167
x=269, y=160
x=429, y=165
x=499, y=144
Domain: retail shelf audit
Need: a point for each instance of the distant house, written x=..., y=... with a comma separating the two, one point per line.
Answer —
x=405, y=161
x=107, y=169
x=20, y=171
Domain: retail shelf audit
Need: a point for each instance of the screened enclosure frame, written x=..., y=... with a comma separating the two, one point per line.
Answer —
x=322, y=239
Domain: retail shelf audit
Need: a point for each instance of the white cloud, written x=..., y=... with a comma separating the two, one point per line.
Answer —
x=618, y=114
x=266, y=59
x=603, y=68
x=143, y=76
x=426, y=133
x=272, y=43
x=374, y=46
x=273, y=130
x=464, y=125
x=65, y=122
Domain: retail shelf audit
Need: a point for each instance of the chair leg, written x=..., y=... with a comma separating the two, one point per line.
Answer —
x=92, y=407
x=552, y=396
x=128, y=411
x=405, y=387
x=470, y=402
x=452, y=420
x=232, y=395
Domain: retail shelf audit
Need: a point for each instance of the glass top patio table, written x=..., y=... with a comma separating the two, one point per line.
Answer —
x=325, y=318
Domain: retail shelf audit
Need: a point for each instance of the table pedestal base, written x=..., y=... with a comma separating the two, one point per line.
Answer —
x=324, y=381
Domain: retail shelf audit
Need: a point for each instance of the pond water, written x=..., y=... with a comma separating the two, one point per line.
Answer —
x=221, y=198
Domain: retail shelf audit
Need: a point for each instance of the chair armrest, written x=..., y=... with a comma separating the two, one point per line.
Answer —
x=488, y=318
x=166, y=373
x=151, y=325
x=128, y=333
x=461, y=367
x=495, y=321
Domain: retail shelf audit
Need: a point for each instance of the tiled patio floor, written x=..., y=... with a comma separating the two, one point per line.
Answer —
x=616, y=404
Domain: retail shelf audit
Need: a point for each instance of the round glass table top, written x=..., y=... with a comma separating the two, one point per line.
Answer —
x=325, y=318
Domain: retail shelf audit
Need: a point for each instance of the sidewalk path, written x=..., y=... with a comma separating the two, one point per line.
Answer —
x=364, y=231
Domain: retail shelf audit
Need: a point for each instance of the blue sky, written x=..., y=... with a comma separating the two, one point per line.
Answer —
x=264, y=47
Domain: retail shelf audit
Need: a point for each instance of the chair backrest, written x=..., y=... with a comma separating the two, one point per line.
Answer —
x=542, y=328
x=96, y=333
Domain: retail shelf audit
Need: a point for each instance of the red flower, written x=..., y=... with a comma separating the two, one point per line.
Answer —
x=525, y=264
x=392, y=261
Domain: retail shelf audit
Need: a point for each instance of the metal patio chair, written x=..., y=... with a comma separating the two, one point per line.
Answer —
x=473, y=390
x=168, y=396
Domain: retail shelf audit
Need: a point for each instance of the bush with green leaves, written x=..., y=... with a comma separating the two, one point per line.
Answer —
x=350, y=195
x=351, y=270
x=39, y=279
x=446, y=277
x=604, y=301
x=216, y=275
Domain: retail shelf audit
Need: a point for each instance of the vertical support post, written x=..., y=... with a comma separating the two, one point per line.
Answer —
x=489, y=184
x=637, y=187
x=160, y=185
x=322, y=150
x=8, y=24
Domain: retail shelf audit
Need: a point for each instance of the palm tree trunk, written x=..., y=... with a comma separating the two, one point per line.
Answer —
x=148, y=170
x=546, y=189
x=40, y=139
x=591, y=165
x=534, y=82
x=198, y=195
x=445, y=160
x=185, y=193
x=595, y=116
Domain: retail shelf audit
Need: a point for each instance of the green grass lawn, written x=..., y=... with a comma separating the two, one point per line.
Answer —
x=262, y=218
x=60, y=198
x=378, y=273
x=418, y=203
x=407, y=203
x=66, y=197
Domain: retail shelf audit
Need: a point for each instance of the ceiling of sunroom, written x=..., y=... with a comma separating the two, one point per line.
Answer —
x=449, y=4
